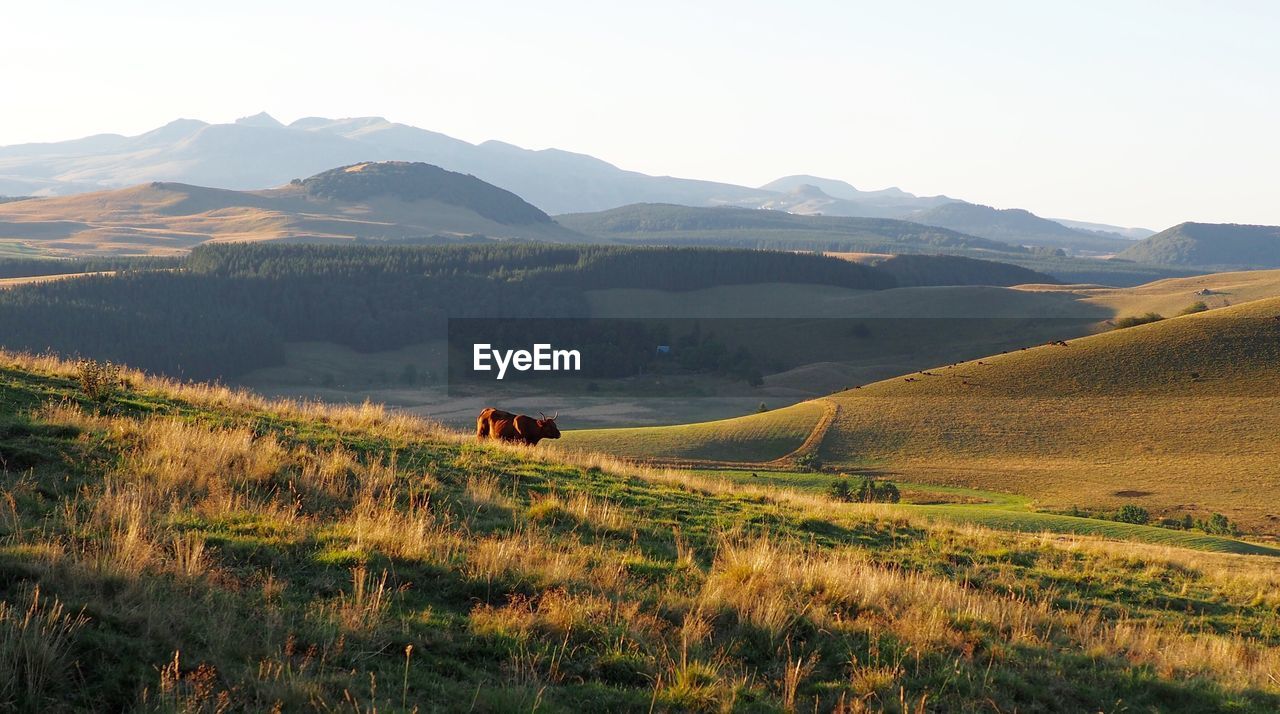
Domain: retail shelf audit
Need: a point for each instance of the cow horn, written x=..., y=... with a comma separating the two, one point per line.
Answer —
x=556, y=416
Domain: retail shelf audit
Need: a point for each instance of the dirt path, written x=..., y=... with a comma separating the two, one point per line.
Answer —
x=809, y=446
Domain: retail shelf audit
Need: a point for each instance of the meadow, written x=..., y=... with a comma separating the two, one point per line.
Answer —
x=1177, y=416
x=185, y=547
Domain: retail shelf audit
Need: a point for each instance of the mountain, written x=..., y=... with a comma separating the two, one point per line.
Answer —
x=889, y=202
x=391, y=201
x=1210, y=244
x=1014, y=225
x=751, y=228
x=258, y=152
x=1106, y=230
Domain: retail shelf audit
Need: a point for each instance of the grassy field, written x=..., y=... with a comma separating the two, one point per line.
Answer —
x=1171, y=296
x=760, y=437
x=11, y=282
x=170, y=547
x=1177, y=416
x=1000, y=511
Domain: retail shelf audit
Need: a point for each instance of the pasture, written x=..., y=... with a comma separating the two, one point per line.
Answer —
x=186, y=547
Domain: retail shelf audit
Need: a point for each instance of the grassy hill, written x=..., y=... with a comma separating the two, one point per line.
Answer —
x=390, y=201
x=183, y=547
x=1015, y=226
x=925, y=270
x=1210, y=245
x=1176, y=416
x=753, y=228
x=1171, y=296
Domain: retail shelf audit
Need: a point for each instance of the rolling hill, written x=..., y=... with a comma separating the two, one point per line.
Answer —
x=750, y=228
x=1016, y=226
x=1224, y=245
x=389, y=201
x=1177, y=416
x=184, y=547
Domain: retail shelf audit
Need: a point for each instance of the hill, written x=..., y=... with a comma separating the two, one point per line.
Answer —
x=184, y=547
x=930, y=270
x=1210, y=245
x=753, y=228
x=1016, y=226
x=1197, y=397
x=391, y=201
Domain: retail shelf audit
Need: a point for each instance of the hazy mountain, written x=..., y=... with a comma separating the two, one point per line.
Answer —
x=392, y=201
x=259, y=152
x=1014, y=225
x=1210, y=245
x=1128, y=233
x=889, y=202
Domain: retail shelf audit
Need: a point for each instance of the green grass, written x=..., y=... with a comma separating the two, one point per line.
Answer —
x=1182, y=412
x=188, y=549
x=759, y=437
x=1001, y=511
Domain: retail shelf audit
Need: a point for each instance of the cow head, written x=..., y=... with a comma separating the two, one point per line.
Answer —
x=547, y=425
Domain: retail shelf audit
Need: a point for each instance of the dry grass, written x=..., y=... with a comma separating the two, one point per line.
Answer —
x=252, y=568
x=1181, y=412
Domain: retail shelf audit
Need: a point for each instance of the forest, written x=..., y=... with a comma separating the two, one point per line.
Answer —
x=228, y=309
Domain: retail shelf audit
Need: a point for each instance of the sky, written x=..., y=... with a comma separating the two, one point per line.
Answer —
x=1131, y=113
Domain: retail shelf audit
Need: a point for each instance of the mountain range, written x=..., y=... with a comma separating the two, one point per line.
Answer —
x=259, y=152
x=395, y=202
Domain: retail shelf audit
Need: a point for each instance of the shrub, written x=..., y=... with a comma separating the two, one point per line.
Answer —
x=1218, y=524
x=809, y=462
x=838, y=490
x=1135, y=320
x=1133, y=514
x=888, y=493
x=98, y=380
x=1194, y=307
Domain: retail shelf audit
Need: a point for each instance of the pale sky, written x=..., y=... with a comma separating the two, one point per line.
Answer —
x=1132, y=113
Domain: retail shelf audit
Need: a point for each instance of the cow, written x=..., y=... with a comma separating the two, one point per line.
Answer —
x=518, y=428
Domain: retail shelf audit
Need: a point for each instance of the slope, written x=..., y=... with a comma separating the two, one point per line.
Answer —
x=1210, y=245
x=187, y=548
x=1177, y=416
x=1016, y=226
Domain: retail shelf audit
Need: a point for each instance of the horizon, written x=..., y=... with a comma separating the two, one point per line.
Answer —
x=1065, y=113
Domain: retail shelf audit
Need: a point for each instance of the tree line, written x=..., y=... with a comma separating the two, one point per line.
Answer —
x=228, y=309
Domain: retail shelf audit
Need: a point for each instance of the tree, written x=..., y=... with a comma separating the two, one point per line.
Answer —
x=838, y=490
x=1130, y=513
x=888, y=493
x=866, y=491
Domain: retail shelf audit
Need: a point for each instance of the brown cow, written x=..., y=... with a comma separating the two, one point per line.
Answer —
x=505, y=426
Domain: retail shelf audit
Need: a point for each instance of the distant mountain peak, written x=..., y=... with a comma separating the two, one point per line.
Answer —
x=261, y=119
